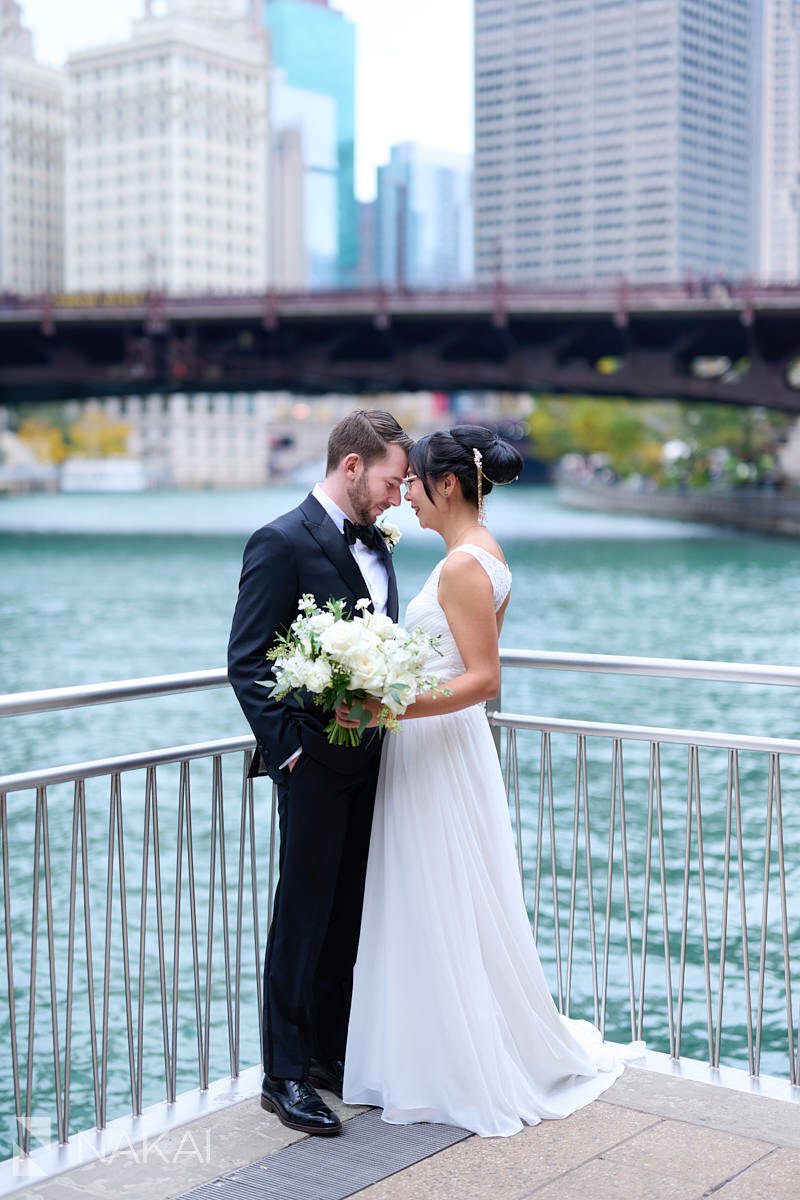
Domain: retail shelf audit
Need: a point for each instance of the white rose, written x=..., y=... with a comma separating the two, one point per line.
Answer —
x=407, y=691
x=367, y=671
x=320, y=621
x=365, y=642
x=382, y=625
x=398, y=658
x=391, y=533
x=318, y=676
x=341, y=638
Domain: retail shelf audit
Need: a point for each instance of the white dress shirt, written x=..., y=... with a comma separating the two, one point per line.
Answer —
x=369, y=563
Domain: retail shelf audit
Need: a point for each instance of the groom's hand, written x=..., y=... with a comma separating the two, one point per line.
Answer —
x=343, y=716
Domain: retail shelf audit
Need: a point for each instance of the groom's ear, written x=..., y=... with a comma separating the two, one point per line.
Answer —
x=349, y=465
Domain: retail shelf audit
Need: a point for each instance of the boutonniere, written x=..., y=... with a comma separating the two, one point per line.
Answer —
x=390, y=533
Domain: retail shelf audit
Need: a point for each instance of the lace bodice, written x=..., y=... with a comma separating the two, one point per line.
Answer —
x=425, y=609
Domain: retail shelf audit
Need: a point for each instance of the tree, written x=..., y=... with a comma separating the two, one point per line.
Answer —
x=95, y=435
x=620, y=429
x=46, y=440
x=632, y=434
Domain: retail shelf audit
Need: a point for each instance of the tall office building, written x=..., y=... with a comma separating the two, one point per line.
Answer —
x=614, y=137
x=779, y=260
x=312, y=46
x=304, y=186
x=367, y=232
x=167, y=155
x=423, y=219
x=32, y=118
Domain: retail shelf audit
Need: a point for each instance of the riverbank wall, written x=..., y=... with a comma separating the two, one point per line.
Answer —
x=762, y=511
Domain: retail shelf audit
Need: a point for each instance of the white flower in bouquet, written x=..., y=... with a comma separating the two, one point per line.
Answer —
x=319, y=676
x=341, y=659
x=403, y=691
x=367, y=670
x=380, y=624
x=320, y=622
x=341, y=639
x=294, y=669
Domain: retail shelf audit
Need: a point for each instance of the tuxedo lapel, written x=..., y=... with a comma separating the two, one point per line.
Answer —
x=392, y=603
x=333, y=544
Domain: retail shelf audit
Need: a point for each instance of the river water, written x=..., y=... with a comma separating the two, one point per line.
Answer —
x=103, y=588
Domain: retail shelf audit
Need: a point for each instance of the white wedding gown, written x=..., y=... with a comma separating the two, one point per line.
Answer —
x=452, y=1020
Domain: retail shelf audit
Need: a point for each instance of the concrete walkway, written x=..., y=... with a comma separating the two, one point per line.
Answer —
x=651, y=1135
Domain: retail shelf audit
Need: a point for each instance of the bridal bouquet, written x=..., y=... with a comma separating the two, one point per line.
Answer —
x=341, y=659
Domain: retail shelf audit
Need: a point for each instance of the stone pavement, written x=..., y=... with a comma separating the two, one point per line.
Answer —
x=651, y=1136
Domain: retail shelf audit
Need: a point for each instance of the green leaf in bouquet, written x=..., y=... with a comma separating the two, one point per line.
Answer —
x=275, y=689
x=360, y=714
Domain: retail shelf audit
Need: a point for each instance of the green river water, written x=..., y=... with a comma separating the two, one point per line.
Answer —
x=103, y=588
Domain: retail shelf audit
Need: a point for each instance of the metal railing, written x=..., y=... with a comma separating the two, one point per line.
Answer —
x=755, y=859
x=111, y=972
x=714, y=292
x=156, y=982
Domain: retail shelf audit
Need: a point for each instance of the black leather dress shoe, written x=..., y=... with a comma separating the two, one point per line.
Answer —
x=297, y=1106
x=327, y=1073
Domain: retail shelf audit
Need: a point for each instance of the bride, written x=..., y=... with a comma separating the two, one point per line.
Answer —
x=452, y=1020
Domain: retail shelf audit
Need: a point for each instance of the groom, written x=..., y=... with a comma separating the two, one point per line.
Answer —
x=328, y=546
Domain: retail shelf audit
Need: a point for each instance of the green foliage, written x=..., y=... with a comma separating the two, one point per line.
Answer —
x=45, y=440
x=54, y=438
x=632, y=433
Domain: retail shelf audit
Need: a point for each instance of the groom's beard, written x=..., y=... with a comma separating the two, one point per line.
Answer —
x=361, y=501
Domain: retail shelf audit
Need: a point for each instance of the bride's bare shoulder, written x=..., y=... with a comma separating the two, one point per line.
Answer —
x=487, y=541
x=461, y=576
x=467, y=570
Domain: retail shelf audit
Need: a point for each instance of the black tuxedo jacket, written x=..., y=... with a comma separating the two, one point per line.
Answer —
x=301, y=551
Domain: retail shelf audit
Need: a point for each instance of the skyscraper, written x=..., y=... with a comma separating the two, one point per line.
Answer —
x=304, y=188
x=32, y=120
x=779, y=260
x=614, y=137
x=313, y=47
x=423, y=218
x=166, y=164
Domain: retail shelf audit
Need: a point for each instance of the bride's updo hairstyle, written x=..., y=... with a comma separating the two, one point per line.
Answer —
x=453, y=450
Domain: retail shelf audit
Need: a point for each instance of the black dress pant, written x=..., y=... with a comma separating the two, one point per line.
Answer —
x=325, y=824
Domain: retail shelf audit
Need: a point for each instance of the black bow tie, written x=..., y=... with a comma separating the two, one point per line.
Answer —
x=368, y=534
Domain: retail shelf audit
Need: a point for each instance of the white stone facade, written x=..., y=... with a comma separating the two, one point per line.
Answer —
x=32, y=120
x=200, y=440
x=245, y=440
x=167, y=158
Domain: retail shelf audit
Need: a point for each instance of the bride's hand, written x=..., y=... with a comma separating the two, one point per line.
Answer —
x=343, y=714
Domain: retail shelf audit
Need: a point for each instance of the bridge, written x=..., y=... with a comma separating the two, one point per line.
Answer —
x=735, y=343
